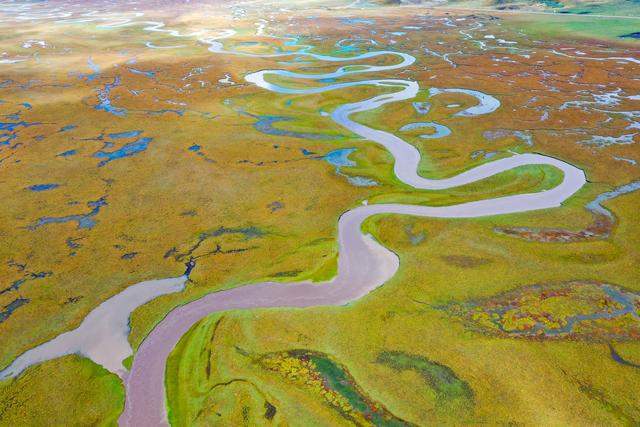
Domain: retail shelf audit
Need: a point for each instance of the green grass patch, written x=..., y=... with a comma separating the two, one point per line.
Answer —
x=575, y=27
x=69, y=391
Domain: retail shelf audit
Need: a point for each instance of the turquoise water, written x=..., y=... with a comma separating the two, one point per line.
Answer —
x=85, y=221
x=105, y=103
x=95, y=68
x=354, y=21
x=596, y=204
x=339, y=159
x=421, y=107
x=67, y=153
x=127, y=150
x=43, y=187
x=146, y=73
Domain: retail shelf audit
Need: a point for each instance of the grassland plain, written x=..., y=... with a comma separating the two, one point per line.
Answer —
x=70, y=390
x=250, y=205
x=409, y=315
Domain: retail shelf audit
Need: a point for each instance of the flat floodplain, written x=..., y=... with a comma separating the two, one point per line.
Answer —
x=310, y=214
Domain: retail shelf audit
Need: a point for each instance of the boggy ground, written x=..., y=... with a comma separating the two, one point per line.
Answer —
x=194, y=176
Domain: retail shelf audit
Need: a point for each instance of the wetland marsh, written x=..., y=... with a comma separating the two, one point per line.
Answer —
x=221, y=214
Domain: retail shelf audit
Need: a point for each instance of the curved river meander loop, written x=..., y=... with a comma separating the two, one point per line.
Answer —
x=363, y=263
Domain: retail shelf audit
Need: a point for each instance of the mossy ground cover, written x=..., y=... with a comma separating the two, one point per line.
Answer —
x=70, y=391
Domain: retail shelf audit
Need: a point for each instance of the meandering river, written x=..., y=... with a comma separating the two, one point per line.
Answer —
x=363, y=263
